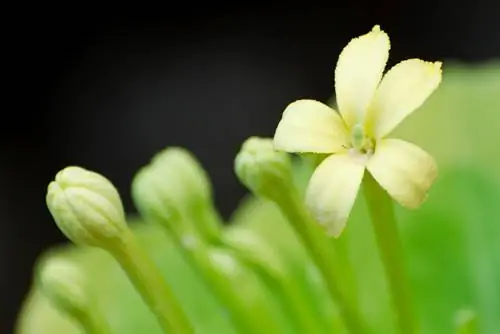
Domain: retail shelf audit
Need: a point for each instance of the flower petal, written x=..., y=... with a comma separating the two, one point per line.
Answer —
x=332, y=191
x=404, y=170
x=358, y=73
x=403, y=89
x=309, y=126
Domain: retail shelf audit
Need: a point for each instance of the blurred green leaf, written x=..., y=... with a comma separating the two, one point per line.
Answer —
x=453, y=244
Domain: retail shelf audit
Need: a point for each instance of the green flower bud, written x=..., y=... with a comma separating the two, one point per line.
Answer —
x=154, y=202
x=86, y=207
x=175, y=190
x=64, y=284
x=262, y=169
x=178, y=169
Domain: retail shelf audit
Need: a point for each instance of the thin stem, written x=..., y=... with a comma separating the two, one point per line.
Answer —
x=282, y=284
x=339, y=247
x=207, y=222
x=246, y=321
x=92, y=322
x=148, y=281
x=90, y=319
x=340, y=250
x=193, y=242
x=320, y=250
x=391, y=252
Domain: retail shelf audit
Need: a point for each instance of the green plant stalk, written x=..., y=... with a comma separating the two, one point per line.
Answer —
x=207, y=221
x=391, y=253
x=148, y=281
x=247, y=322
x=339, y=247
x=91, y=322
x=320, y=250
x=340, y=250
x=308, y=323
x=287, y=289
x=197, y=256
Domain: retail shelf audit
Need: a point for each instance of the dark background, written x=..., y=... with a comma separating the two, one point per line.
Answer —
x=108, y=90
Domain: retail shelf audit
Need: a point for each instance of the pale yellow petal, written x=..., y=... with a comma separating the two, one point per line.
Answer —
x=332, y=191
x=404, y=170
x=404, y=88
x=359, y=70
x=309, y=126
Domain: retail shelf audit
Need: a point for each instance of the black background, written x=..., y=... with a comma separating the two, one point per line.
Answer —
x=108, y=89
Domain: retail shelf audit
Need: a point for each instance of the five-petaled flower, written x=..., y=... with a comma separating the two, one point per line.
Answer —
x=370, y=108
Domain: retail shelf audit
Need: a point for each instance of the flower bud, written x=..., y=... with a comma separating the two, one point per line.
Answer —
x=262, y=169
x=153, y=202
x=175, y=191
x=86, y=207
x=179, y=169
x=63, y=283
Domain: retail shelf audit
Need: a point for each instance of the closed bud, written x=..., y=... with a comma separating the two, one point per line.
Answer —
x=262, y=169
x=178, y=169
x=86, y=207
x=175, y=191
x=63, y=283
x=152, y=200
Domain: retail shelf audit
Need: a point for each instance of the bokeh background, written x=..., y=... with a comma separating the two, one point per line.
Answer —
x=108, y=90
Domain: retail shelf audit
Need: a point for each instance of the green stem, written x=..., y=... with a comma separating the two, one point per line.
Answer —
x=191, y=240
x=92, y=322
x=207, y=222
x=148, y=281
x=339, y=247
x=341, y=255
x=320, y=250
x=282, y=284
x=207, y=225
x=391, y=252
x=307, y=322
x=246, y=322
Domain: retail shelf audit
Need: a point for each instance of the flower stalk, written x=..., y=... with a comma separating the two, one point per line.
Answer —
x=251, y=250
x=320, y=250
x=391, y=252
x=339, y=247
x=148, y=281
